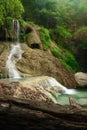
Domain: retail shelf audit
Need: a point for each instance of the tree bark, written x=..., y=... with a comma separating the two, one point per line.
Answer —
x=17, y=114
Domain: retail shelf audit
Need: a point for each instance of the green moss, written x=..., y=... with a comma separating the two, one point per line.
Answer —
x=63, y=31
x=66, y=57
x=70, y=60
x=9, y=23
x=45, y=38
x=56, y=53
x=61, y=35
x=54, y=94
x=22, y=23
x=22, y=27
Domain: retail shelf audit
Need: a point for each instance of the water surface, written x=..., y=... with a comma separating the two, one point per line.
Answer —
x=80, y=97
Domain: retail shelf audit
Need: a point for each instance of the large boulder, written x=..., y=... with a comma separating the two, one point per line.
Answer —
x=81, y=79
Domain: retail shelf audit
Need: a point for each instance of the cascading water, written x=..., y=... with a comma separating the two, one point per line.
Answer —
x=15, y=53
x=14, y=56
x=16, y=29
x=53, y=82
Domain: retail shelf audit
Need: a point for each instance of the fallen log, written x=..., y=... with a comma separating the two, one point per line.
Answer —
x=17, y=114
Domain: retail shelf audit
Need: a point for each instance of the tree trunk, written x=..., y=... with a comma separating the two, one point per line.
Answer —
x=17, y=114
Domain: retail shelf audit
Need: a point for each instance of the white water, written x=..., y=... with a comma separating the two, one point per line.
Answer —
x=54, y=83
x=14, y=56
x=16, y=29
x=15, y=53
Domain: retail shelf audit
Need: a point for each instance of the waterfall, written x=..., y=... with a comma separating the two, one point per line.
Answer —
x=16, y=29
x=14, y=56
x=15, y=52
x=54, y=83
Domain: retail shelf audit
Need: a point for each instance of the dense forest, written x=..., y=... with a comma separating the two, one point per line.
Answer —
x=62, y=21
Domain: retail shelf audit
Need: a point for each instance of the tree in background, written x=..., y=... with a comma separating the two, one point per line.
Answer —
x=9, y=9
x=51, y=13
x=42, y=12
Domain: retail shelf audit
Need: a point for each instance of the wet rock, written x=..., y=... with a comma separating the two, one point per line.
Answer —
x=27, y=89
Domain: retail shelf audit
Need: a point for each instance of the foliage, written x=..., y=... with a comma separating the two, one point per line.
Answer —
x=22, y=27
x=22, y=23
x=10, y=9
x=61, y=35
x=83, y=46
x=66, y=58
x=81, y=34
x=42, y=12
x=8, y=22
x=55, y=11
x=45, y=38
x=56, y=52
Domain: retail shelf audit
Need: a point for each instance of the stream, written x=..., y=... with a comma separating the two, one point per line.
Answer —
x=79, y=95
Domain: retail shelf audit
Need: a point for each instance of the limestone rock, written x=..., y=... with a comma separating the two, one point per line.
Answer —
x=35, y=88
x=33, y=37
x=40, y=88
x=36, y=62
x=81, y=79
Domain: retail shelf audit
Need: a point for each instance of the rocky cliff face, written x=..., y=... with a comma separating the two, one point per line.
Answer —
x=36, y=62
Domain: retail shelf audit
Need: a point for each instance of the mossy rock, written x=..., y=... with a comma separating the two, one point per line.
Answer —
x=33, y=37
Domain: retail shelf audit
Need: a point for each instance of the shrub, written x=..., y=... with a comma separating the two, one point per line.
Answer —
x=66, y=57
x=45, y=38
x=61, y=35
x=81, y=34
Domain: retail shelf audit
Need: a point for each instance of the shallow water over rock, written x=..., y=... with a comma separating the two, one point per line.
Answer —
x=80, y=97
x=51, y=88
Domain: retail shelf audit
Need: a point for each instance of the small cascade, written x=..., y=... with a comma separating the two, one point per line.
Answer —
x=15, y=53
x=54, y=83
x=16, y=29
x=14, y=56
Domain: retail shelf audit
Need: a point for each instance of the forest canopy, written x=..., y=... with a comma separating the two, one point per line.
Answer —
x=52, y=12
x=10, y=9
